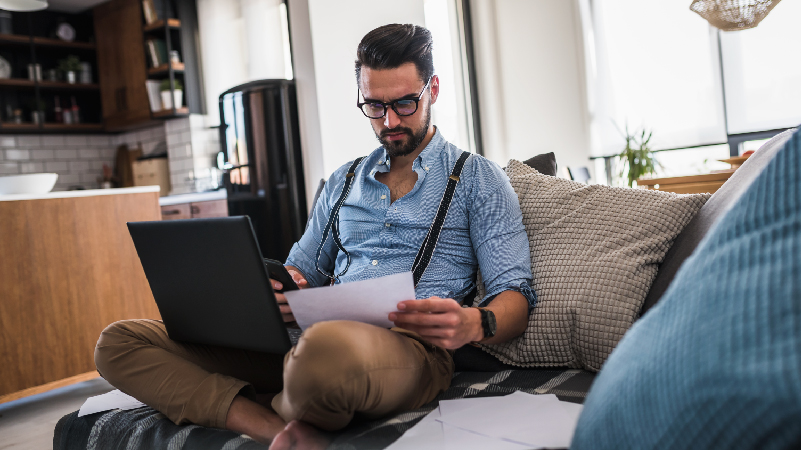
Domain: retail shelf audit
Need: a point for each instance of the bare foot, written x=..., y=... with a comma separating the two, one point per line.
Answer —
x=299, y=435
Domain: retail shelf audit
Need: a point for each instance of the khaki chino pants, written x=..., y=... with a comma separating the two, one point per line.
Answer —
x=336, y=370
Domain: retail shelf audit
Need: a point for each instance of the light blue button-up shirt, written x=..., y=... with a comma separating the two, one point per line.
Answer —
x=483, y=229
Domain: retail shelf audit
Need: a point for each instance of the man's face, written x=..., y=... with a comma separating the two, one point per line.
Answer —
x=400, y=135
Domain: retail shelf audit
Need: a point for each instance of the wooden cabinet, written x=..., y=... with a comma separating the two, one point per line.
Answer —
x=121, y=64
x=68, y=268
x=27, y=100
x=195, y=210
x=126, y=47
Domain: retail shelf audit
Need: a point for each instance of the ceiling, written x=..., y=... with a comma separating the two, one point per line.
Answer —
x=72, y=6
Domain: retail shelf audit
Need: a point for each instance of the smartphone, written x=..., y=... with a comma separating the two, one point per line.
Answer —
x=279, y=273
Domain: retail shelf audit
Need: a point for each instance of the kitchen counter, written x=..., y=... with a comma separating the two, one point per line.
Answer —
x=79, y=193
x=208, y=196
x=68, y=268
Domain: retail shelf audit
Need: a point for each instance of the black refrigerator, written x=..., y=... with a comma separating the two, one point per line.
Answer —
x=261, y=162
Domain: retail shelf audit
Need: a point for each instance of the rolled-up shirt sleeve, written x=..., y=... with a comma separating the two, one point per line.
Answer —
x=499, y=237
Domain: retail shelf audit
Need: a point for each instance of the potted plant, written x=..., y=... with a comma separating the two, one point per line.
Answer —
x=637, y=159
x=177, y=94
x=70, y=66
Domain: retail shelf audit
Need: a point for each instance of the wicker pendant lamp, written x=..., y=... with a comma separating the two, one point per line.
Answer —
x=732, y=15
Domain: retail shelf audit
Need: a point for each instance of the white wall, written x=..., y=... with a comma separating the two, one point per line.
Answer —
x=532, y=95
x=337, y=27
x=240, y=41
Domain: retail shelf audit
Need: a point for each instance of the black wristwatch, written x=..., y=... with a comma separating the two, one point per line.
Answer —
x=488, y=322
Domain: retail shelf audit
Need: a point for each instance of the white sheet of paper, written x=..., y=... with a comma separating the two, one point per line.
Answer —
x=115, y=399
x=368, y=301
x=430, y=434
x=539, y=421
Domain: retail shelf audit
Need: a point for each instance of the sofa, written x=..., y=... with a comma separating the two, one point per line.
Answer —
x=480, y=372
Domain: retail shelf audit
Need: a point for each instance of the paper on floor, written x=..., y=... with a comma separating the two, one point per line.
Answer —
x=429, y=434
x=115, y=399
x=368, y=301
x=538, y=421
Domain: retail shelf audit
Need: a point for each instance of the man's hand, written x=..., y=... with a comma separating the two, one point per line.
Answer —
x=440, y=321
x=283, y=305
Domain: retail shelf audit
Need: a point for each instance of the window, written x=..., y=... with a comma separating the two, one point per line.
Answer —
x=659, y=66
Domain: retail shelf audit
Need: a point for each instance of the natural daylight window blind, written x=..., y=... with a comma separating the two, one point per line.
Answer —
x=654, y=65
x=762, y=72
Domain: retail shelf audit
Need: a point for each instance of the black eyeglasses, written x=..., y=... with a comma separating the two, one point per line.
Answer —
x=402, y=106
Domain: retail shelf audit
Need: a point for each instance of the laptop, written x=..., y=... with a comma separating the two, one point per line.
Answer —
x=210, y=283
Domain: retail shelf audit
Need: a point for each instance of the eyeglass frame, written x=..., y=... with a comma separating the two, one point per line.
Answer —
x=391, y=103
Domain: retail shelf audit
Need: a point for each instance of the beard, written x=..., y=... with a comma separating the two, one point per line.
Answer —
x=410, y=143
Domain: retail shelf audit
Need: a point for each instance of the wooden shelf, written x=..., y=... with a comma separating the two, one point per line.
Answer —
x=15, y=39
x=21, y=82
x=45, y=42
x=73, y=126
x=16, y=82
x=18, y=126
x=63, y=85
x=159, y=25
x=167, y=113
x=164, y=68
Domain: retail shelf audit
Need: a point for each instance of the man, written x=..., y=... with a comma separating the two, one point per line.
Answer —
x=391, y=197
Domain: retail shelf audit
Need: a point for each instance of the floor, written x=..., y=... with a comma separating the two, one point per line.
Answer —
x=28, y=423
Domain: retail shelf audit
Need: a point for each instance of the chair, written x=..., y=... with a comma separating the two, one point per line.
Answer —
x=580, y=174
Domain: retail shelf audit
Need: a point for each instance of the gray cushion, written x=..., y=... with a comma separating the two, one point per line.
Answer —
x=717, y=205
x=544, y=163
x=594, y=252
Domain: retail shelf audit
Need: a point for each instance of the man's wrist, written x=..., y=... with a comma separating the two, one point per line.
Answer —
x=476, y=330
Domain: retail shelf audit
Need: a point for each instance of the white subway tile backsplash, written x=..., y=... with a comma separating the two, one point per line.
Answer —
x=90, y=178
x=31, y=167
x=17, y=155
x=69, y=178
x=56, y=166
x=9, y=168
x=108, y=153
x=79, y=166
x=29, y=141
x=88, y=153
x=77, y=141
x=67, y=153
x=56, y=140
x=42, y=154
x=8, y=141
x=99, y=140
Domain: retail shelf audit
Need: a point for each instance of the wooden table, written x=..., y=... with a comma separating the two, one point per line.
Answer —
x=68, y=268
x=692, y=184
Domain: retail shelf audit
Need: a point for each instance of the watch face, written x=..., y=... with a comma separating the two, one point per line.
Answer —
x=488, y=322
x=65, y=32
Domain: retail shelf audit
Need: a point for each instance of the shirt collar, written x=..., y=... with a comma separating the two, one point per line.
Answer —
x=424, y=159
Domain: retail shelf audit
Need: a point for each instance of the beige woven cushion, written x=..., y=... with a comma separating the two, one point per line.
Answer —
x=594, y=252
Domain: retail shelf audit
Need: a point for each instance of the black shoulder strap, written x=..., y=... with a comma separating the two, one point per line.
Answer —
x=430, y=243
x=333, y=222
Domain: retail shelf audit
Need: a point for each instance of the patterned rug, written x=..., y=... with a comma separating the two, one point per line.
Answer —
x=147, y=429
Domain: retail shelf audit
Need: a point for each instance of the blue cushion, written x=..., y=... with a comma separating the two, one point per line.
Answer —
x=717, y=363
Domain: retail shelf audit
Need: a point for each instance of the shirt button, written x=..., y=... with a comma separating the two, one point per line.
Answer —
x=375, y=262
x=426, y=167
x=380, y=162
x=383, y=197
x=386, y=225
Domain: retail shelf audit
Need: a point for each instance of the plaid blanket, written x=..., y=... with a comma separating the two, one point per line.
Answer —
x=146, y=429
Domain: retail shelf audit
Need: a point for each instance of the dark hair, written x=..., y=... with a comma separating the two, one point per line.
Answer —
x=393, y=45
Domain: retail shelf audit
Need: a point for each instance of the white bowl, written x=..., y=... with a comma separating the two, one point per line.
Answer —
x=29, y=183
